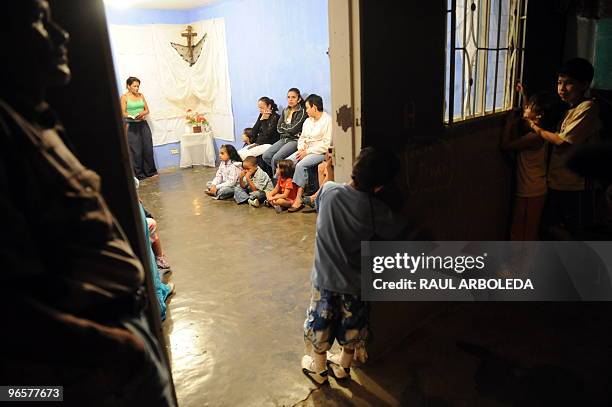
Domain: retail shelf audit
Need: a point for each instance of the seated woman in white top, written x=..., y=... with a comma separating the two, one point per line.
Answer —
x=312, y=145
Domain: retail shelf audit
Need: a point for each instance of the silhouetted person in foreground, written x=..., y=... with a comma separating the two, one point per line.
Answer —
x=73, y=313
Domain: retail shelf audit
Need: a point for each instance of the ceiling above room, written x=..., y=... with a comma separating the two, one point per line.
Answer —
x=158, y=4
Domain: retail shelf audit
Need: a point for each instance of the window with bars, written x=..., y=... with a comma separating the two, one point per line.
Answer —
x=485, y=43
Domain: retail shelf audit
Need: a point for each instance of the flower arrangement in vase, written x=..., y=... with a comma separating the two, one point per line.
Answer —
x=196, y=121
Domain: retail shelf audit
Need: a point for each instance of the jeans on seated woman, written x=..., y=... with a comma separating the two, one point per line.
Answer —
x=280, y=150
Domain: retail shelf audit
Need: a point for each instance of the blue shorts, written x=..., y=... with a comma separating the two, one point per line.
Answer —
x=335, y=316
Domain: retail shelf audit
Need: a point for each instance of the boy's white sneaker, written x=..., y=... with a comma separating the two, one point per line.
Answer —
x=308, y=368
x=254, y=202
x=336, y=369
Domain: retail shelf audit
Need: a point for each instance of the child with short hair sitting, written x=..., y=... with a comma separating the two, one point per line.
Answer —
x=254, y=183
x=247, y=138
x=284, y=193
x=222, y=186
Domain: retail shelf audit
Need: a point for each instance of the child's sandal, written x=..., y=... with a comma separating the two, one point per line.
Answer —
x=306, y=200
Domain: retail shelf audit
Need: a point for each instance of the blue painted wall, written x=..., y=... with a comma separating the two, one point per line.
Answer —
x=164, y=157
x=147, y=16
x=272, y=45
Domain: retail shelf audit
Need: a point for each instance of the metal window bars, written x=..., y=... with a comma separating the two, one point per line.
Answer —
x=485, y=46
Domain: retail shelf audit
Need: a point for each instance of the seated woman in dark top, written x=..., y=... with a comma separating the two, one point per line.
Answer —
x=264, y=130
x=289, y=129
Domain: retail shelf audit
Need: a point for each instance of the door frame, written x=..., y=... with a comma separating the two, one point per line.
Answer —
x=345, y=66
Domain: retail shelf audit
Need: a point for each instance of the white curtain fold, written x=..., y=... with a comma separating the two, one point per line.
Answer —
x=169, y=84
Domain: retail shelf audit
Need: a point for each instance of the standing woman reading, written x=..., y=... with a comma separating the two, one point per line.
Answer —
x=134, y=108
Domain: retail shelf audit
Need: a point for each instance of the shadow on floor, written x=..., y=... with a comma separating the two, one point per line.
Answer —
x=234, y=327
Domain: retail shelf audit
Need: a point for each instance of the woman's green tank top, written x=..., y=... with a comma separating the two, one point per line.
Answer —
x=134, y=106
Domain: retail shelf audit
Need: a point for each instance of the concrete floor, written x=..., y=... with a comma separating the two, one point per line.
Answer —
x=234, y=327
x=242, y=279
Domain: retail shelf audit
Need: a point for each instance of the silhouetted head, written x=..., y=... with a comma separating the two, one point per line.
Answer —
x=373, y=169
x=36, y=48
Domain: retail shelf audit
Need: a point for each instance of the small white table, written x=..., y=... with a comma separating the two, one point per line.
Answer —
x=197, y=149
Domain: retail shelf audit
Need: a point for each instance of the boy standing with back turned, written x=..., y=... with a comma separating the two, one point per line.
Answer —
x=348, y=214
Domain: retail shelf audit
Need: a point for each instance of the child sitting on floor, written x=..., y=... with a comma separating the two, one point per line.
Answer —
x=162, y=291
x=156, y=246
x=247, y=138
x=158, y=251
x=284, y=193
x=254, y=183
x=222, y=186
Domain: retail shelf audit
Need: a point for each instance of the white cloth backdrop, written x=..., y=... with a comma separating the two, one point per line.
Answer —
x=169, y=84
